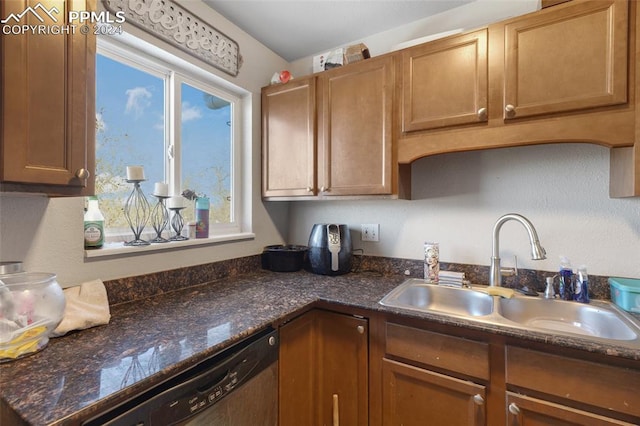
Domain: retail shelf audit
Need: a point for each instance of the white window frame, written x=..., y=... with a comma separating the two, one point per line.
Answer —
x=175, y=71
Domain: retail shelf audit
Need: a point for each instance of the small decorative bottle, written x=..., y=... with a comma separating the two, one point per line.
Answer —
x=202, y=217
x=93, y=225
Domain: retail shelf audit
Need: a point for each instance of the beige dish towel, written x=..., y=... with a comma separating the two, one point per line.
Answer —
x=87, y=306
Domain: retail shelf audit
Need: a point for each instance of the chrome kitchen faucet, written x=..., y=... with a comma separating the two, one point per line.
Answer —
x=537, y=251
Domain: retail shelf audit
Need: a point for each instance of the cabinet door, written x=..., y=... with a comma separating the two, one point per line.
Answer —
x=343, y=370
x=324, y=370
x=289, y=138
x=48, y=106
x=445, y=82
x=355, y=128
x=564, y=59
x=523, y=410
x=297, y=359
x=414, y=396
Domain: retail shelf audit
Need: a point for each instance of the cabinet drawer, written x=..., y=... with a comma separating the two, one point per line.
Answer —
x=457, y=354
x=606, y=386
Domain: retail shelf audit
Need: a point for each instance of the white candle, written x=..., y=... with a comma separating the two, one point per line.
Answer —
x=135, y=173
x=161, y=189
x=175, y=202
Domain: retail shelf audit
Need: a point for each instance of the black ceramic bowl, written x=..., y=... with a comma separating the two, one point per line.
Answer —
x=279, y=258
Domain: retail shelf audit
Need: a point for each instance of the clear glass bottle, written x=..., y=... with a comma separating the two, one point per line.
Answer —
x=93, y=225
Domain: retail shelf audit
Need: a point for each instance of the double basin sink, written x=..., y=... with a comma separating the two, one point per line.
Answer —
x=598, y=321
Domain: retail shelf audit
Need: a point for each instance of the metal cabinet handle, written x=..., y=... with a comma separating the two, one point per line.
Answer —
x=482, y=114
x=514, y=409
x=324, y=189
x=478, y=399
x=360, y=329
x=336, y=410
x=510, y=111
x=82, y=174
x=309, y=189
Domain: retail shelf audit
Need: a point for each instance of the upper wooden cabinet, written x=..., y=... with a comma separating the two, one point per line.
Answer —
x=574, y=58
x=444, y=83
x=331, y=134
x=289, y=138
x=356, y=128
x=48, y=103
x=567, y=73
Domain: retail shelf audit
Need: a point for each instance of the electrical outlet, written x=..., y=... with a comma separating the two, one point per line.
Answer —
x=370, y=232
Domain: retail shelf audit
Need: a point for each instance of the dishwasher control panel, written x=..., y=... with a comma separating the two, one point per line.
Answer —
x=198, y=388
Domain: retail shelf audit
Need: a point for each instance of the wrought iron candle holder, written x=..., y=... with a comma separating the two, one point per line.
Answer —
x=136, y=211
x=159, y=219
x=177, y=223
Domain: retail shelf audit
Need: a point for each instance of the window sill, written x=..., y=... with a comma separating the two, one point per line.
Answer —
x=119, y=249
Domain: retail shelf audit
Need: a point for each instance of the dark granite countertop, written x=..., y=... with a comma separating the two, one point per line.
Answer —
x=150, y=340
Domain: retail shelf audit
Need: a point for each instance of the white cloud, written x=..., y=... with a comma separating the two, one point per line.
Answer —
x=190, y=112
x=137, y=100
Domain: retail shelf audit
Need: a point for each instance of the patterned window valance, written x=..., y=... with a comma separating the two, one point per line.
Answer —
x=174, y=24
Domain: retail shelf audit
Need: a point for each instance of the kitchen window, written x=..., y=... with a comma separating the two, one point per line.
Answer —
x=180, y=124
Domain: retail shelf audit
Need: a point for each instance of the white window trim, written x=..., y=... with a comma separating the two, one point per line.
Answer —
x=150, y=58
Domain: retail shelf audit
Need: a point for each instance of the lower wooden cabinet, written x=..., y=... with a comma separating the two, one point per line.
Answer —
x=439, y=374
x=387, y=370
x=552, y=389
x=324, y=370
x=415, y=396
x=432, y=378
x=523, y=410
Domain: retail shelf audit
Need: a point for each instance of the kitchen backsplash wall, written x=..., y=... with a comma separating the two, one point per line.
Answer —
x=457, y=198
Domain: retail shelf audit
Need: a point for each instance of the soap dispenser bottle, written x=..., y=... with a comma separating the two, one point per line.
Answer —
x=582, y=285
x=565, y=288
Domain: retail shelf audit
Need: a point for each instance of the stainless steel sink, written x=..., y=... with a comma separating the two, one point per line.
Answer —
x=598, y=319
x=420, y=295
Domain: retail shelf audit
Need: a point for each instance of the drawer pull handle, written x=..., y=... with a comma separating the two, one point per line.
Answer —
x=478, y=399
x=514, y=409
x=482, y=114
x=360, y=329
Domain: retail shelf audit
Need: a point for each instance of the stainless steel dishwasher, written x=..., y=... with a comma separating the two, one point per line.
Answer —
x=237, y=387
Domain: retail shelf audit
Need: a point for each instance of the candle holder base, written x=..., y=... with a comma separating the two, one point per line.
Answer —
x=177, y=223
x=159, y=219
x=136, y=211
